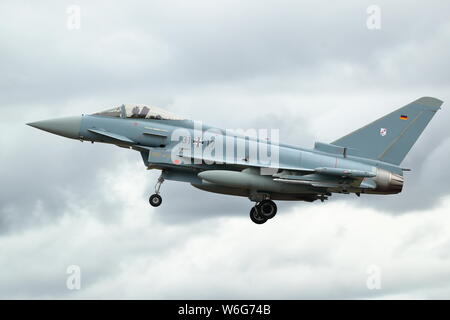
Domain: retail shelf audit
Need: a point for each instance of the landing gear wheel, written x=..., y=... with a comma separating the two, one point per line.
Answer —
x=267, y=209
x=256, y=217
x=155, y=200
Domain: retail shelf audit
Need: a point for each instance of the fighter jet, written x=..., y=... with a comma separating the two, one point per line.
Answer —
x=365, y=161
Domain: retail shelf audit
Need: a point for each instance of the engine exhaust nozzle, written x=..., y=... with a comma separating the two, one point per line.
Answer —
x=388, y=182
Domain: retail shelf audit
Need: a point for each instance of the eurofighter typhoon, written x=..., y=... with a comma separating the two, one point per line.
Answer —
x=366, y=161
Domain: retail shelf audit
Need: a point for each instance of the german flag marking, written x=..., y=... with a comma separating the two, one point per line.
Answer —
x=404, y=117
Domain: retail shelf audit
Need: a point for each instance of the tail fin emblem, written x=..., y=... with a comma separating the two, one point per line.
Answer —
x=383, y=132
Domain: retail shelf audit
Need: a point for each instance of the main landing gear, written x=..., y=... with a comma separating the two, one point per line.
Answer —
x=155, y=199
x=263, y=211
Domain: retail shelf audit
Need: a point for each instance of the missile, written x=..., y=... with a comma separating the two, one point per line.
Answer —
x=235, y=179
x=345, y=172
x=248, y=179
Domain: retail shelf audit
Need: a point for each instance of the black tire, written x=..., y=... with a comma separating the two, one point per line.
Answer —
x=256, y=217
x=155, y=200
x=267, y=209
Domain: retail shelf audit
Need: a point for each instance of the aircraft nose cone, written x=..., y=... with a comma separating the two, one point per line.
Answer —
x=68, y=127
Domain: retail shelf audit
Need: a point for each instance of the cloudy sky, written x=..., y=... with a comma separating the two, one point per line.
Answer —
x=310, y=68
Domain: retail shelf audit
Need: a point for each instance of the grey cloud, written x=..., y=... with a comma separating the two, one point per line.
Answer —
x=153, y=47
x=40, y=184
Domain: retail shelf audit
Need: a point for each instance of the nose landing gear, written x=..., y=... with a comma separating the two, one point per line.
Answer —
x=263, y=211
x=155, y=199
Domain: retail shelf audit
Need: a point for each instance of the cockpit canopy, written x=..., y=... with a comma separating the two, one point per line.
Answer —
x=138, y=111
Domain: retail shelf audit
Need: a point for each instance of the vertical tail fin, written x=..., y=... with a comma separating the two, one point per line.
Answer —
x=390, y=138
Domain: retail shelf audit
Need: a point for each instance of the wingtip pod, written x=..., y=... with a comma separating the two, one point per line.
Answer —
x=430, y=102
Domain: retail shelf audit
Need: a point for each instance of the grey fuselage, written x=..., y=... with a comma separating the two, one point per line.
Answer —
x=152, y=138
